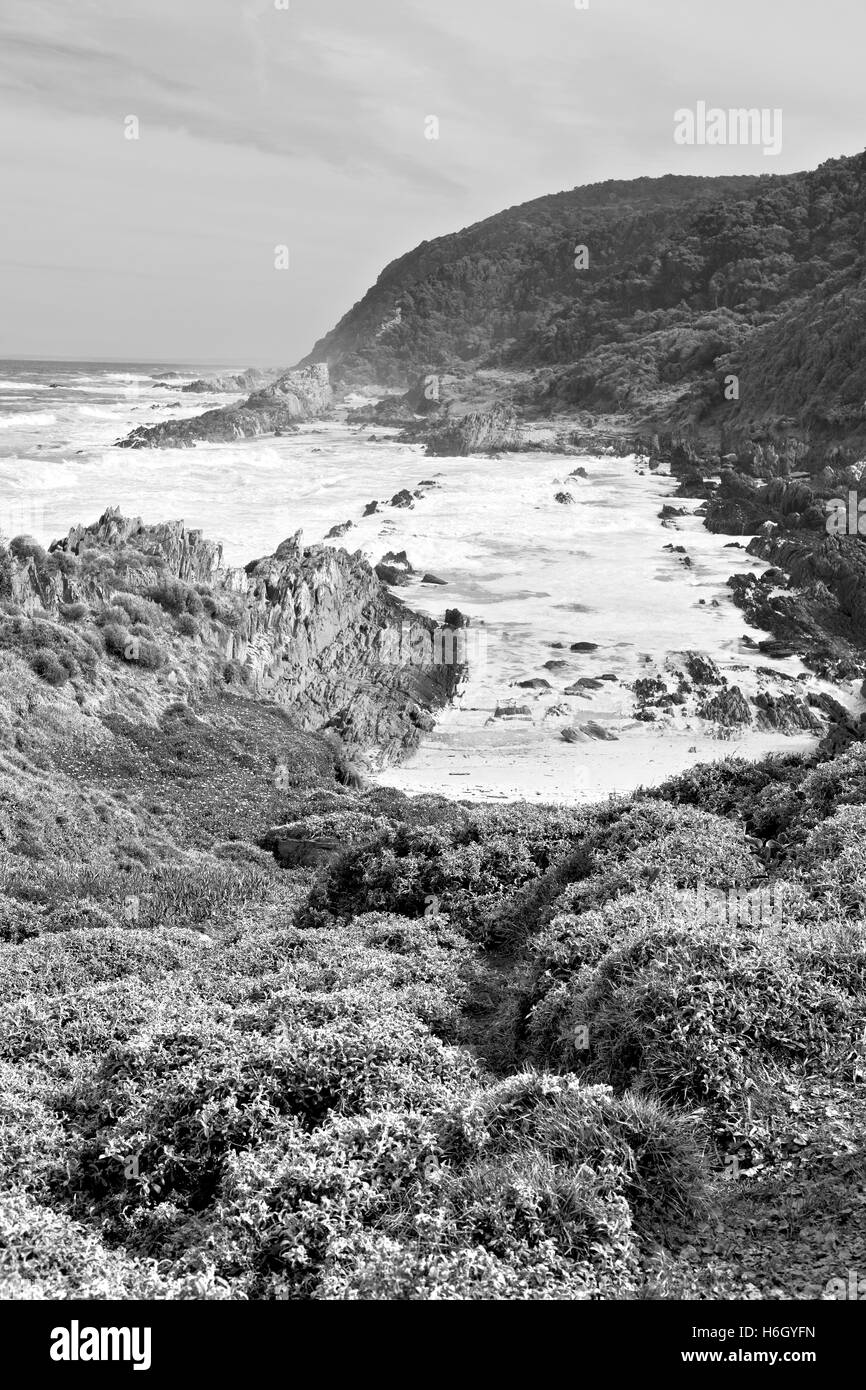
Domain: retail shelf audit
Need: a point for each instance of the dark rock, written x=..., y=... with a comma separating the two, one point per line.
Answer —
x=564, y=497
x=339, y=530
x=785, y=713
x=536, y=683
x=433, y=579
x=702, y=669
x=729, y=707
x=391, y=574
x=398, y=558
x=403, y=498
x=511, y=710
x=584, y=646
x=296, y=853
x=370, y=508
x=596, y=730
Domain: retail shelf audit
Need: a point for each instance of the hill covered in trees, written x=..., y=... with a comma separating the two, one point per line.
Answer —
x=687, y=280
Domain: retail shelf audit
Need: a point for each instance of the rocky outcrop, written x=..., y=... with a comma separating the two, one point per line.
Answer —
x=275, y=409
x=310, y=628
x=250, y=380
x=486, y=431
x=821, y=612
x=728, y=708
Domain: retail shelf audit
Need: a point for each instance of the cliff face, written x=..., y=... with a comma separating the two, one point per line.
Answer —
x=309, y=628
x=293, y=397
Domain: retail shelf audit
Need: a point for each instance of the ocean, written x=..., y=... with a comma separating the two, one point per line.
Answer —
x=534, y=575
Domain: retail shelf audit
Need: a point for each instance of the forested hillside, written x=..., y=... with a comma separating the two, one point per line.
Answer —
x=687, y=279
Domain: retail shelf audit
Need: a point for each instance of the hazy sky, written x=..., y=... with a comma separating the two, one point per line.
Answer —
x=305, y=126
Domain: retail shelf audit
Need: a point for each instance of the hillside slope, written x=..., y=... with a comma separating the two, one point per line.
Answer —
x=682, y=274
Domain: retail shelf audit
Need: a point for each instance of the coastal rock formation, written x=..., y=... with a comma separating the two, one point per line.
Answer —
x=487, y=431
x=728, y=708
x=250, y=380
x=310, y=628
x=277, y=408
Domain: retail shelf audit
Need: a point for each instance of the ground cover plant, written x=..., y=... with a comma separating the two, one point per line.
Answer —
x=475, y=1052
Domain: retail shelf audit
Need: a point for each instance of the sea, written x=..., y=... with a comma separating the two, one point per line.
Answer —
x=534, y=575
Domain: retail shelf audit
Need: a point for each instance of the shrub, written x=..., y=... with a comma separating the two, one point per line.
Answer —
x=150, y=655
x=186, y=625
x=26, y=548
x=74, y=612
x=135, y=608
x=235, y=674
x=176, y=597
x=61, y=562
x=116, y=638
x=48, y=667
x=694, y=1013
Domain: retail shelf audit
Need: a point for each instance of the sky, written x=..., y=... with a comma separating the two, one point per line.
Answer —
x=304, y=124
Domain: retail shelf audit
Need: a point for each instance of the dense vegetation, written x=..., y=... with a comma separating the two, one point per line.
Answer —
x=226, y=1080
x=688, y=280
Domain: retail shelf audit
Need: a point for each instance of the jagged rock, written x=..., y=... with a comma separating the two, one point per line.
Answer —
x=784, y=713
x=391, y=574
x=572, y=735
x=481, y=431
x=339, y=530
x=564, y=497
x=398, y=558
x=370, y=508
x=403, y=498
x=702, y=669
x=729, y=707
x=294, y=396
x=312, y=628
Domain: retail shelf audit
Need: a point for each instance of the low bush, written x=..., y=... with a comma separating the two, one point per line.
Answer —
x=46, y=665
x=74, y=612
x=176, y=597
